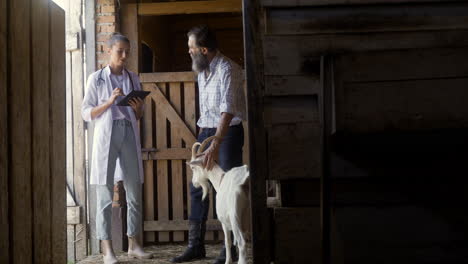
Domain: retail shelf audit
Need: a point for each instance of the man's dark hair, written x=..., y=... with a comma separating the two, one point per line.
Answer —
x=204, y=37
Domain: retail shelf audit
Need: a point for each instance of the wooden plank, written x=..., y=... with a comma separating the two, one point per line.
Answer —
x=403, y=105
x=297, y=235
x=159, y=77
x=179, y=225
x=417, y=64
x=347, y=19
x=90, y=22
x=261, y=236
x=57, y=141
x=71, y=255
x=301, y=141
x=4, y=139
x=69, y=129
x=79, y=169
x=166, y=154
x=162, y=166
x=303, y=52
x=90, y=25
x=300, y=3
x=190, y=7
x=290, y=110
x=40, y=131
x=177, y=177
x=147, y=129
x=191, y=121
x=73, y=215
x=292, y=85
x=21, y=231
x=130, y=28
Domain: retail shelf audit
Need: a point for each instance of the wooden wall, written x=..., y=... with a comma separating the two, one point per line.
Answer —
x=32, y=144
x=317, y=69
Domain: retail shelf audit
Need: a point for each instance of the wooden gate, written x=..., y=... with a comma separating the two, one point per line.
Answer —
x=168, y=130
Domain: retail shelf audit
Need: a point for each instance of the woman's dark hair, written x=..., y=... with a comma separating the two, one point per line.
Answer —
x=204, y=37
x=117, y=37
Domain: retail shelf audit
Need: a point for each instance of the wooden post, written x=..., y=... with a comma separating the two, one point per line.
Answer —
x=130, y=28
x=162, y=173
x=90, y=24
x=77, y=85
x=21, y=230
x=4, y=202
x=255, y=85
x=40, y=130
x=57, y=137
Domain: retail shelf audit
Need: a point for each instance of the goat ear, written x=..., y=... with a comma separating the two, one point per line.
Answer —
x=197, y=162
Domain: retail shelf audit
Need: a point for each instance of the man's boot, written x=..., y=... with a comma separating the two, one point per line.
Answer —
x=196, y=245
x=221, y=259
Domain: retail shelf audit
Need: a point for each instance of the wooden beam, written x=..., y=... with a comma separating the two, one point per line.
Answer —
x=190, y=7
x=159, y=77
x=253, y=43
x=79, y=163
x=166, y=154
x=20, y=110
x=57, y=141
x=41, y=130
x=346, y=19
x=301, y=3
x=178, y=225
x=4, y=202
x=130, y=28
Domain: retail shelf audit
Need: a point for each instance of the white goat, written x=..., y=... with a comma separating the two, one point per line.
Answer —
x=232, y=199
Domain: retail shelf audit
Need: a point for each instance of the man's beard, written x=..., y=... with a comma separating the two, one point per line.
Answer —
x=199, y=62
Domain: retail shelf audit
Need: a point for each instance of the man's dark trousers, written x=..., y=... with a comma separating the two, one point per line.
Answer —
x=230, y=156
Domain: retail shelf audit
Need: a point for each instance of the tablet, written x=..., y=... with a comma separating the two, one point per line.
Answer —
x=133, y=94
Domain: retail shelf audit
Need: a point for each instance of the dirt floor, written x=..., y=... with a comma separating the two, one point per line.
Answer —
x=163, y=253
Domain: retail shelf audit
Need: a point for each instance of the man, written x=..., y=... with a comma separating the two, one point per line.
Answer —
x=222, y=109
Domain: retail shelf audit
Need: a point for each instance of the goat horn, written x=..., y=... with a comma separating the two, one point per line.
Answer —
x=204, y=143
x=194, y=152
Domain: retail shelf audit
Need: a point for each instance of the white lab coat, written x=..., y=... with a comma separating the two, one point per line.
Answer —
x=97, y=94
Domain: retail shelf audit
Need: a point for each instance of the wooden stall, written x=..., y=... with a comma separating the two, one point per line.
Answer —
x=359, y=101
x=32, y=132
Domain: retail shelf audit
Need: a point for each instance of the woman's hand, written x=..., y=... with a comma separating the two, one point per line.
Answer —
x=137, y=105
x=115, y=93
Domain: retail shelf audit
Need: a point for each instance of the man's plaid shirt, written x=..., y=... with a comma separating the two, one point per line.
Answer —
x=221, y=91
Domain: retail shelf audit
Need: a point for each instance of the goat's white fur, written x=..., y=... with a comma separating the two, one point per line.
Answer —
x=232, y=199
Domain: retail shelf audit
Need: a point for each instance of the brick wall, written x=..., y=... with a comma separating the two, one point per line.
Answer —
x=106, y=23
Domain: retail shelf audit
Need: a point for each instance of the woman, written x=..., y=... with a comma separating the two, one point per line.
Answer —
x=116, y=137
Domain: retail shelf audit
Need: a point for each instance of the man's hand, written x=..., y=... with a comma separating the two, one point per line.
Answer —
x=211, y=154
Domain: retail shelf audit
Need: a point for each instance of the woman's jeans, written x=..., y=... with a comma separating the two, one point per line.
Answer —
x=123, y=147
x=230, y=156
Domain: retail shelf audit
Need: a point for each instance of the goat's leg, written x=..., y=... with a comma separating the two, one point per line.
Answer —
x=227, y=243
x=242, y=246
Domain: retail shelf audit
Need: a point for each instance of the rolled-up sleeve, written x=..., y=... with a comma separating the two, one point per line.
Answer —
x=90, y=99
x=229, y=89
